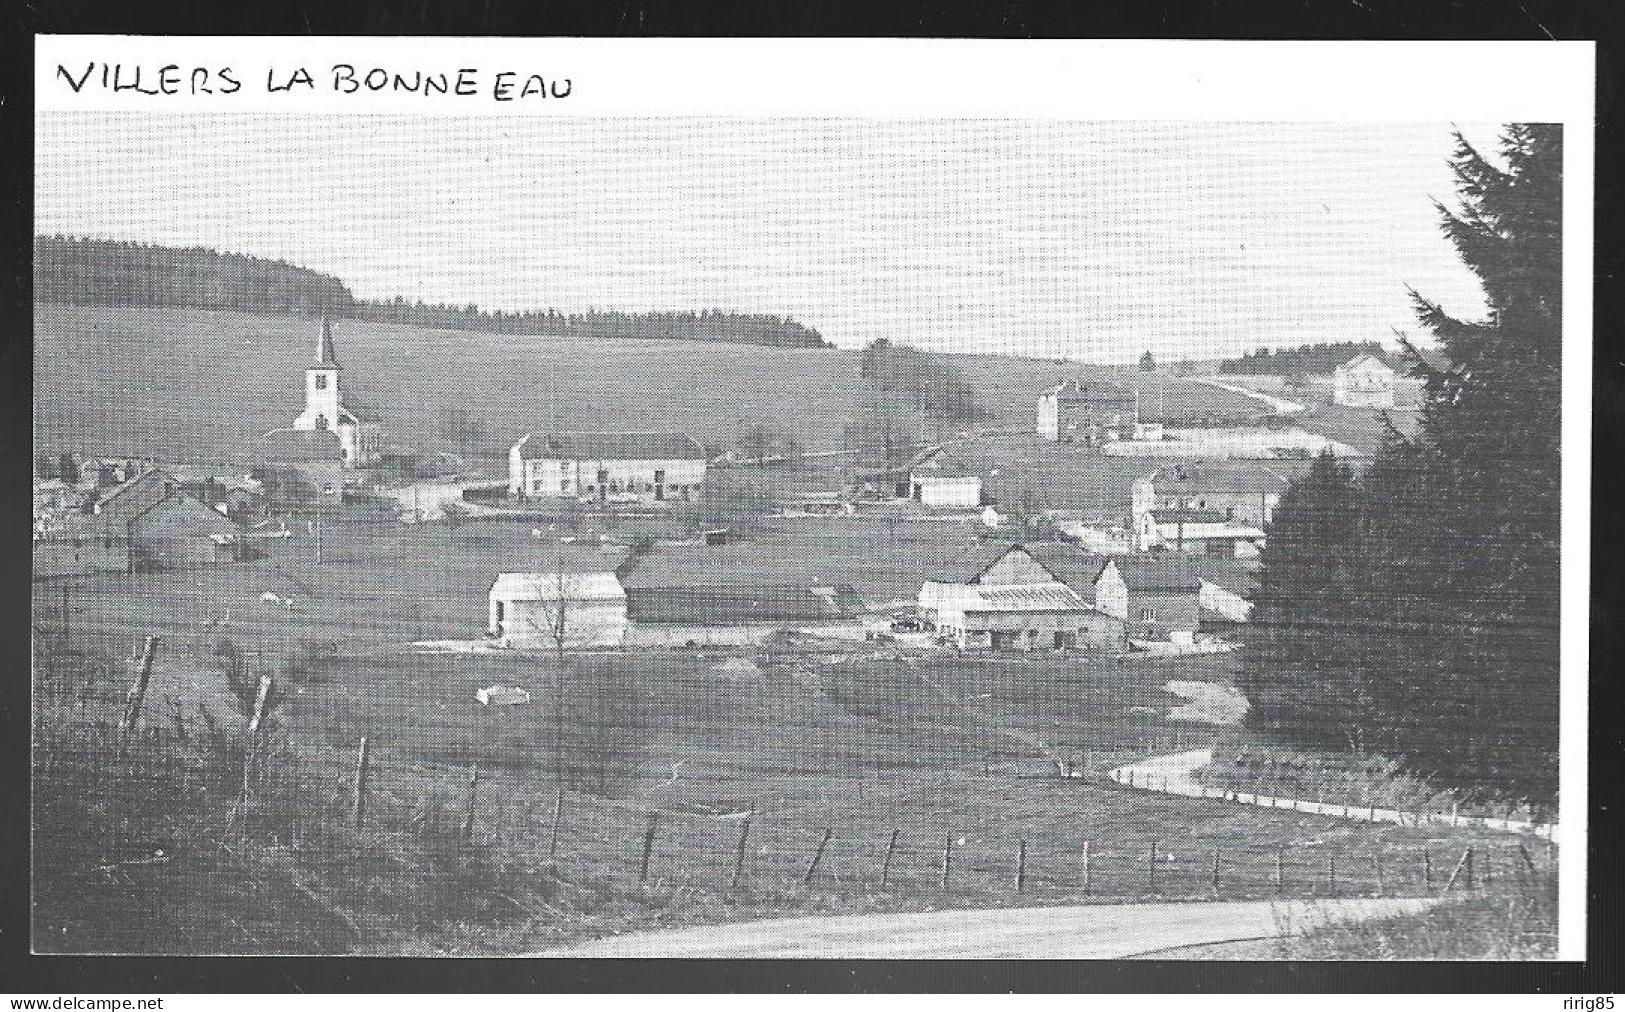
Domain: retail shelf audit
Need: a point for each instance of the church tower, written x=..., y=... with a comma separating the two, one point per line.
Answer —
x=360, y=439
x=322, y=402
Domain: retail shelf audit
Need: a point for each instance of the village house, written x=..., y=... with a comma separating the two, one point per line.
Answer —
x=360, y=439
x=945, y=485
x=1003, y=597
x=1155, y=598
x=1089, y=413
x=536, y=610
x=1226, y=597
x=1198, y=532
x=148, y=522
x=1241, y=495
x=1364, y=381
x=299, y=468
x=641, y=467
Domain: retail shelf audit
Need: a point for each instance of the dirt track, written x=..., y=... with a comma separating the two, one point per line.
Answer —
x=1077, y=932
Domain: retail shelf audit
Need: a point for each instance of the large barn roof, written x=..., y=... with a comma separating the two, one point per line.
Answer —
x=578, y=587
x=731, y=603
x=1208, y=476
x=611, y=446
x=1074, y=391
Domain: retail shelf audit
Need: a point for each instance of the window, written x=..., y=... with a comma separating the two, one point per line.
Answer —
x=1148, y=615
x=536, y=486
x=321, y=381
x=321, y=423
x=564, y=485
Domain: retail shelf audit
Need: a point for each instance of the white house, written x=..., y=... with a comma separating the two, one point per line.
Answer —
x=360, y=439
x=1364, y=381
x=528, y=610
x=1006, y=598
x=1198, y=532
x=945, y=486
x=644, y=467
x=1243, y=495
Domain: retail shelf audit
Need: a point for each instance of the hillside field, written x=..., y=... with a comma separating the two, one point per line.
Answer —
x=193, y=386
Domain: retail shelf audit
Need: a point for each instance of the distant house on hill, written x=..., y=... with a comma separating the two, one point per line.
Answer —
x=1242, y=495
x=643, y=467
x=1364, y=381
x=1089, y=413
x=1199, y=532
x=945, y=485
x=360, y=439
x=300, y=468
x=1004, y=596
x=532, y=610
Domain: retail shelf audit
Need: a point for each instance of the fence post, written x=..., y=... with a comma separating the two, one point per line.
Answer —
x=1466, y=861
x=1021, y=865
x=1331, y=872
x=648, y=845
x=1215, y=871
x=885, y=862
x=468, y=802
x=739, y=853
x=818, y=855
x=1151, y=875
x=138, y=688
x=1087, y=881
x=553, y=833
x=1470, y=869
x=358, y=809
x=1376, y=869
x=947, y=858
x=1427, y=871
x=1280, y=870
x=1489, y=866
x=1527, y=859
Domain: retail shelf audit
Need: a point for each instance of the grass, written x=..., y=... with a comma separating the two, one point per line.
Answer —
x=149, y=381
x=1516, y=922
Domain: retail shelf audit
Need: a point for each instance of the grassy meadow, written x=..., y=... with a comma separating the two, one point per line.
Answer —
x=195, y=386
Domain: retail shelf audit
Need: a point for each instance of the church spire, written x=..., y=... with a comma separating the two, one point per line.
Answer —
x=324, y=346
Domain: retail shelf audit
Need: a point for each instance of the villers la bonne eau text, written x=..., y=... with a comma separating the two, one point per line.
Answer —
x=340, y=78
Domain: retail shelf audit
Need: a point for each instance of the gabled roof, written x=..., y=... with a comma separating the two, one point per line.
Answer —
x=1020, y=598
x=299, y=446
x=139, y=494
x=326, y=358
x=1177, y=516
x=1159, y=573
x=1361, y=359
x=733, y=603
x=610, y=446
x=1076, y=392
x=572, y=587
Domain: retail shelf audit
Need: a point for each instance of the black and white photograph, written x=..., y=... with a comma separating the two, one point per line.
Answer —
x=475, y=524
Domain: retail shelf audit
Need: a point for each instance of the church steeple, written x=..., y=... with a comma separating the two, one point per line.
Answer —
x=325, y=356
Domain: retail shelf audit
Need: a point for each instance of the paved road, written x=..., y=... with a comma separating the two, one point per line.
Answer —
x=1101, y=931
x=1176, y=774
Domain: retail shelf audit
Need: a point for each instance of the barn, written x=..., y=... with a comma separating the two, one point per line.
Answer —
x=534, y=610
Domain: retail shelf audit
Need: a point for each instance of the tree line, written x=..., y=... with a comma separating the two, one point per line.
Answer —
x=1412, y=608
x=80, y=271
x=1311, y=359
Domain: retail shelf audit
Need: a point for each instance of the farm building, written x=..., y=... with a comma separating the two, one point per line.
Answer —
x=1226, y=597
x=300, y=468
x=1016, y=597
x=642, y=467
x=945, y=486
x=360, y=439
x=731, y=614
x=146, y=523
x=1090, y=413
x=1198, y=532
x=1242, y=494
x=535, y=610
x=1156, y=598
x=1364, y=381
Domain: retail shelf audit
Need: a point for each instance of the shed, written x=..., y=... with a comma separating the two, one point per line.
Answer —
x=532, y=610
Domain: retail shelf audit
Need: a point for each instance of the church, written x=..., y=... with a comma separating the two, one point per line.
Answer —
x=360, y=439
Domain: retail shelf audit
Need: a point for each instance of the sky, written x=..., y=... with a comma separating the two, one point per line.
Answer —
x=1093, y=241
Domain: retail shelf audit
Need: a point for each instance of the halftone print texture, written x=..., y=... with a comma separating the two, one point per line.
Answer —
x=958, y=537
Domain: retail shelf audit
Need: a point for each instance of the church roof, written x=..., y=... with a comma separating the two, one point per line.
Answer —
x=291, y=446
x=326, y=357
x=611, y=446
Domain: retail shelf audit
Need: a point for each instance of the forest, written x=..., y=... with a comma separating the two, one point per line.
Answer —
x=79, y=271
x=1309, y=360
